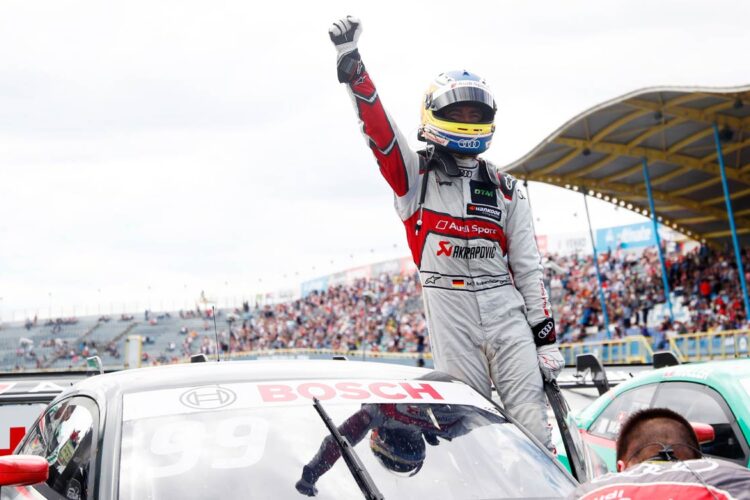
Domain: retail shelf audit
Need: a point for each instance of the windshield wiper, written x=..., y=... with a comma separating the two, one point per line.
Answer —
x=364, y=481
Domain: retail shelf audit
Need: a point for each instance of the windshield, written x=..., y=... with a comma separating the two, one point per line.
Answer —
x=285, y=451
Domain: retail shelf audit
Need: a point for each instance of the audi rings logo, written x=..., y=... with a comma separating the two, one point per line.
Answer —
x=469, y=143
x=546, y=330
x=208, y=398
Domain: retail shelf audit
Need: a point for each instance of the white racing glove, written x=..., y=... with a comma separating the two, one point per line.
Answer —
x=551, y=361
x=344, y=34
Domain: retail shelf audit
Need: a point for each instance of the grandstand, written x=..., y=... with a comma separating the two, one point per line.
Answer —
x=377, y=312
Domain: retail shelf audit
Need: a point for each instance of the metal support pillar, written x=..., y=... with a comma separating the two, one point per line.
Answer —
x=602, y=300
x=528, y=195
x=664, y=279
x=730, y=214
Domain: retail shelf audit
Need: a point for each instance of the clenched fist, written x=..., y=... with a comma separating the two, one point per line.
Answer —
x=345, y=33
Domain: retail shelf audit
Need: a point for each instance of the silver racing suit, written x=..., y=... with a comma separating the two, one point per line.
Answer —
x=473, y=243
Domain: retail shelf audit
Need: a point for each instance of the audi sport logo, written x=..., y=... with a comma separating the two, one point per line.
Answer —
x=208, y=398
x=469, y=143
x=470, y=229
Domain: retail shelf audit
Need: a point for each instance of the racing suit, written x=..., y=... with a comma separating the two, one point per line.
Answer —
x=470, y=233
x=702, y=478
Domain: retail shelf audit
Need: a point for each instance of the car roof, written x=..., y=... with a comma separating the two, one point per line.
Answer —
x=725, y=376
x=192, y=374
x=41, y=385
x=710, y=372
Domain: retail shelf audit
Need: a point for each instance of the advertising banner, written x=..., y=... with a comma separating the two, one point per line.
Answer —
x=315, y=285
x=569, y=243
x=630, y=237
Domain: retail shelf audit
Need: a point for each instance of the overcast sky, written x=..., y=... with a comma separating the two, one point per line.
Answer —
x=153, y=149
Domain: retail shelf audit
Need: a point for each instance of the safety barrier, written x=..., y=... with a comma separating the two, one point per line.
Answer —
x=701, y=346
x=710, y=345
x=628, y=350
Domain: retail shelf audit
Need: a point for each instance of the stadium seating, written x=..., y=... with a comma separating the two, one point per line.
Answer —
x=384, y=314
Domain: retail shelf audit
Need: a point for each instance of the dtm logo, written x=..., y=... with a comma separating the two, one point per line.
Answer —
x=483, y=192
x=469, y=143
x=477, y=252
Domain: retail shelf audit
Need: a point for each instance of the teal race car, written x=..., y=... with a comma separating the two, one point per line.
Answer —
x=714, y=392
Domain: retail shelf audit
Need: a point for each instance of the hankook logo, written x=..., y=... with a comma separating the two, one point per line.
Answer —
x=482, y=211
x=208, y=398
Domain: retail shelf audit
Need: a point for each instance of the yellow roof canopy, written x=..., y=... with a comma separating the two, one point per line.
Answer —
x=601, y=151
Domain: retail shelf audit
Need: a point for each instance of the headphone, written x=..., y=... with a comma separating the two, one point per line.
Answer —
x=665, y=453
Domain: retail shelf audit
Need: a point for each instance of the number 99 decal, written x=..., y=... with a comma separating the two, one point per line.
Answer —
x=233, y=443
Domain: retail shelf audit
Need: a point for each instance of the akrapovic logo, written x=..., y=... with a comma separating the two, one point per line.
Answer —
x=446, y=249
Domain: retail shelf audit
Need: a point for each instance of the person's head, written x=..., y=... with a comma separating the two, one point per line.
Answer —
x=398, y=450
x=458, y=114
x=655, y=434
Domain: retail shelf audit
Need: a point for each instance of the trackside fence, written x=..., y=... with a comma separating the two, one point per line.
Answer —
x=629, y=350
x=637, y=349
x=710, y=345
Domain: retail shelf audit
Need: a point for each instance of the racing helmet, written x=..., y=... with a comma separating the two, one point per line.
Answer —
x=450, y=89
x=398, y=450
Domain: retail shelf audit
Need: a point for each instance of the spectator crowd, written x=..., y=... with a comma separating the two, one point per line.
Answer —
x=385, y=313
x=706, y=294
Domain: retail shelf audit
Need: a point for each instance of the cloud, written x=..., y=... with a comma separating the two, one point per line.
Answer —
x=182, y=142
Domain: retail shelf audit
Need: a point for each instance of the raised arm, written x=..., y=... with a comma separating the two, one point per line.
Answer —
x=353, y=429
x=399, y=165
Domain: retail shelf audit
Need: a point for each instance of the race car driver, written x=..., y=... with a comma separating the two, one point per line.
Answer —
x=469, y=230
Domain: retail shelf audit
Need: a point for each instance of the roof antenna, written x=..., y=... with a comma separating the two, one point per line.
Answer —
x=216, y=333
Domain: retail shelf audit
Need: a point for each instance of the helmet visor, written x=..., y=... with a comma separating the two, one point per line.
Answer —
x=467, y=95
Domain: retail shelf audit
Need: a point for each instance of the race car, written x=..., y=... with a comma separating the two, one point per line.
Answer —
x=278, y=429
x=714, y=392
x=23, y=396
